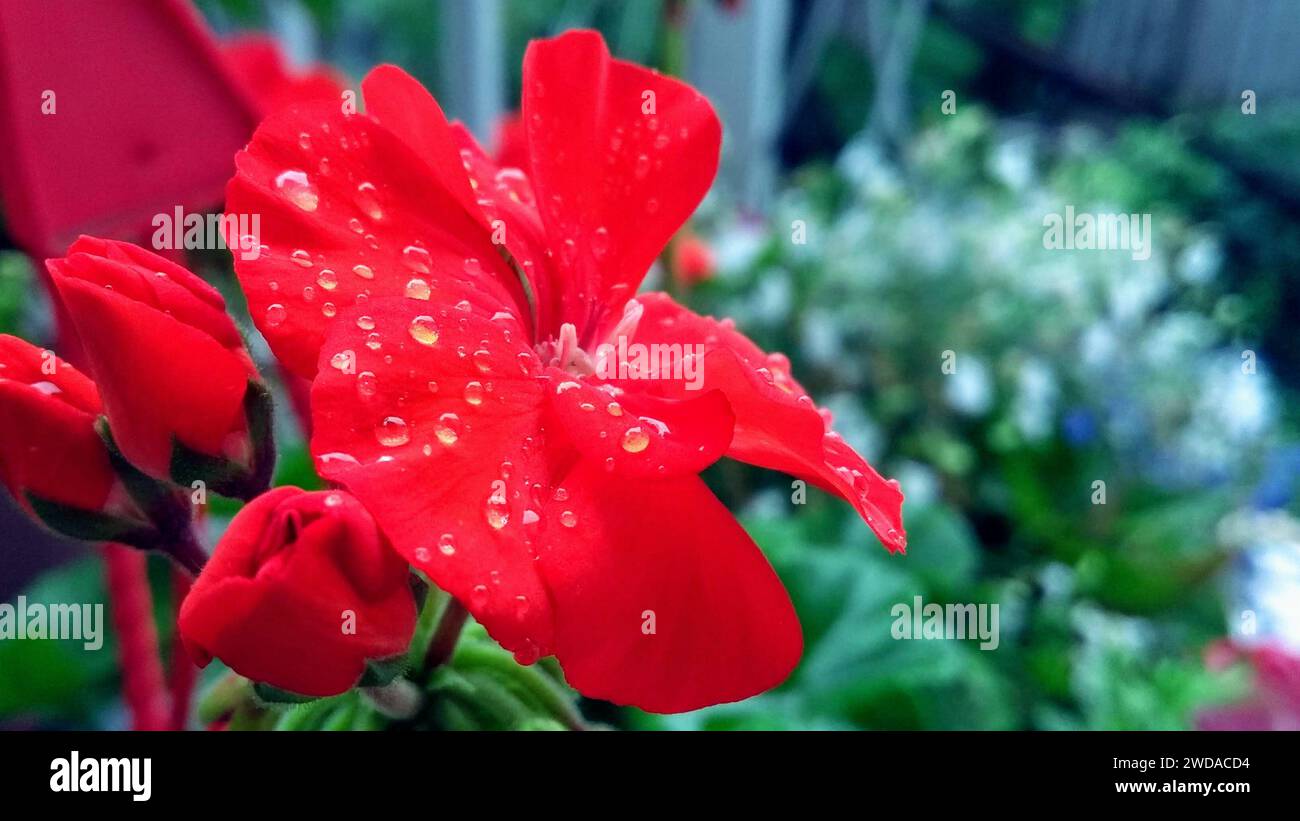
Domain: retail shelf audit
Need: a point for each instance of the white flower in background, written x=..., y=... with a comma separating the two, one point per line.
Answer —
x=1035, y=402
x=969, y=389
x=737, y=245
x=770, y=299
x=1012, y=162
x=1199, y=262
x=822, y=342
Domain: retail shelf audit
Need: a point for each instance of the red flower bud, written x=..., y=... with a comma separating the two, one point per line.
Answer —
x=692, y=259
x=48, y=444
x=170, y=364
x=301, y=592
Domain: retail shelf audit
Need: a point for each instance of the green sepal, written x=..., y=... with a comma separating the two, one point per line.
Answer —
x=269, y=694
x=93, y=525
x=224, y=476
x=382, y=672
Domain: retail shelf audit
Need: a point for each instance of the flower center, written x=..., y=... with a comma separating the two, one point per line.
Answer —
x=565, y=353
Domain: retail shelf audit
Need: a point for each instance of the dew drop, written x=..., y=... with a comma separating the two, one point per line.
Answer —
x=600, y=243
x=447, y=428
x=418, y=289
x=327, y=279
x=298, y=189
x=368, y=201
x=635, y=440
x=497, y=518
x=393, y=431
x=423, y=331
x=568, y=518
x=479, y=595
x=301, y=258
x=447, y=544
x=417, y=259
x=614, y=409
x=367, y=384
x=342, y=361
x=363, y=271
x=275, y=315
x=474, y=393
x=366, y=323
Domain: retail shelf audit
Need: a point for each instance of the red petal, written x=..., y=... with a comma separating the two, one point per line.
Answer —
x=508, y=207
x=667, y=550
x=615, y=181
x=260, y=65
x=635, y=434
x=48, y=443
x=777, y=425
x=158, y=376
x=278, y=618
x=356, y=195
x=467, y=460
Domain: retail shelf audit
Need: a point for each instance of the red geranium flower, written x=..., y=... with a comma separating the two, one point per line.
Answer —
x=479, y=420
x=692, y=259
x=169, y=362
x=301, y=592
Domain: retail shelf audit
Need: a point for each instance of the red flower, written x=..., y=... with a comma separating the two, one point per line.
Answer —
x=260, y=65
x=563, y=508
x=1275, y=702
x=48, y=444
x=692, y=259
x=169, y=362
x=300, y=593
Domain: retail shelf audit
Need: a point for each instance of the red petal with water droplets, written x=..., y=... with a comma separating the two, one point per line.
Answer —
x=661, y=600
x=777, y=425
x=620, y=157
x=348, y=211
x=507, y=203
x=461, y=456
x=639, y=435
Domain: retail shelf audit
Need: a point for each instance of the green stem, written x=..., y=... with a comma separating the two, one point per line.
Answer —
x=443, y=643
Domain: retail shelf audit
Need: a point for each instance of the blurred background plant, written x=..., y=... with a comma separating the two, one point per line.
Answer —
x=1112, y=452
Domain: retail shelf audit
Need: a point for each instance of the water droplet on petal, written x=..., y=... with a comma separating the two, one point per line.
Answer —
x=479, y=595
x=474, y=393
x=568, y=518
x=392, y=431
x=497, y=518
x=447, y=544
x=600, y=243
x=366, y=323
x=423, y=330
x=275, y=315
x=418, y=289
x=635, y=440
x=301, y=258
x=363, y=271
x=368, y=201
x=367, y=384
x=447, y=428
x=417, y=259
x=298, y=189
